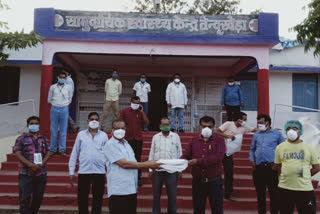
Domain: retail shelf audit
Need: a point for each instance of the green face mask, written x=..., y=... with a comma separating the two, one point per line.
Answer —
x=165, y=128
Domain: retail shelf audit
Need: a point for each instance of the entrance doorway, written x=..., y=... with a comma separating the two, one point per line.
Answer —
x=157, y=101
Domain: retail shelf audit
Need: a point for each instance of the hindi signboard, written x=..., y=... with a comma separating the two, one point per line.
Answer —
x=118, y=22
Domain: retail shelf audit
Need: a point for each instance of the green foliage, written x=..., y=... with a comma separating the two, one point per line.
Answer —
x=166, y=6
x=309, y=30
x=198, y=7
x=216, y=7
x=14, y=40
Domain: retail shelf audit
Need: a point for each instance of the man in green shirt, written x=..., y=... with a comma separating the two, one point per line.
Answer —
x=297, y=162
x=113, y=89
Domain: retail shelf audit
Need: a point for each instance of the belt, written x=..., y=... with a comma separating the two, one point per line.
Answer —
x=206, y=180
x=265, y=164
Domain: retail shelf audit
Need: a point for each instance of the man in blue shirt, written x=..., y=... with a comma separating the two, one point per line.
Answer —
x=232, y=99
x=122, y=173
x=262, y=154
x=88, y=148
x=71, y=122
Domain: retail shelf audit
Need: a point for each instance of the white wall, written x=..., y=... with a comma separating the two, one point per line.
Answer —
x=293, y=57
x=28, y=53
x=13, y=117
x=281, y=93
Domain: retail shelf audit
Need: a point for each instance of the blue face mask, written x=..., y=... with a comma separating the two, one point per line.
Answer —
x=142, y=79
x=114, y=76
x=61, y=81
x=34, y=128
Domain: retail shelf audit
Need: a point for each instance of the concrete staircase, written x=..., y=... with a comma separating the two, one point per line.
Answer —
x=61, y=197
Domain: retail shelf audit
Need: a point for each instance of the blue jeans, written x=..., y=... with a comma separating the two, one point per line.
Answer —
x=59, y=119
x=31, y=185
x=170, y=180
x=174, y=113
x=145, y=109
x=202, y=190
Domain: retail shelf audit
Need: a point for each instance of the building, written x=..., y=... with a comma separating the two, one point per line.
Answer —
x=204, y=49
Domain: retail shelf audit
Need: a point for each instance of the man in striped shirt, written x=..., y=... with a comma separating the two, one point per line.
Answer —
x=165, y=145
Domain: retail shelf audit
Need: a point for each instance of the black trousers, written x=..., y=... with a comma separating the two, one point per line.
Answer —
x=137, y=148
x=123, y=204
x=31, y=187
x=232, y=111
x=304, y=201
x=228, y=175
x=211, y=189
x=84, y=183
x=264, y=177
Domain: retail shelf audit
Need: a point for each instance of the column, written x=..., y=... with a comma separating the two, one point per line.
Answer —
x=263, y=92
x=46, y=82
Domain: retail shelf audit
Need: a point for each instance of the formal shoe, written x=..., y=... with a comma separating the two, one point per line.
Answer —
x=55, y=153
x=173, y=130
x=140, y=183
x=229, y=198
x=63, y=154
x=181, y=131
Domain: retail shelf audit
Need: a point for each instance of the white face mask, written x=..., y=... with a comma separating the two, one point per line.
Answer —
x=135, y=106
x=231, y=83
x=176, y=80
x=119, y=133
x=206, y=132
x=94, y=124
x=262, y=127
x=292, y=135
x=243, y=123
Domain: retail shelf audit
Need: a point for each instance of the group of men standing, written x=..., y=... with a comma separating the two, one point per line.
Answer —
x=206, y=154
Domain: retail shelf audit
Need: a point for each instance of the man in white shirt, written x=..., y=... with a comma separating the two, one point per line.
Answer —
x=228, y=130
x=113, y=89
x=88, y=149
x=176, y=97
x=60, y=96
x=142, y=89
x=165, y=145
x=71, y=122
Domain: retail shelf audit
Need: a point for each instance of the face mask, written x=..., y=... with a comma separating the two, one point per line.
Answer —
x=165, y=128
x=94, y=124
x=119, y=133
x=243, y=123
x=231, y=83
x=33, y=128
x=176, y=80
x=61, y=81
x=292, y=135
x=114, y=76
x=135, y=106
x=206, y=132
x=142, y=79
x=262, y=127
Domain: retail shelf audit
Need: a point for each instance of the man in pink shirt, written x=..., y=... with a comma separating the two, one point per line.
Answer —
x=229, y=130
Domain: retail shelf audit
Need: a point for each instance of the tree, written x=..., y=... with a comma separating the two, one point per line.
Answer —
x=309, y=30
x=166, y=6
x=198, y=6
x=216, y=7
x=16, y=40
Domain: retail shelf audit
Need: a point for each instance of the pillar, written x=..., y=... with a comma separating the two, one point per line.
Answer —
x=46, y=82
x=263, y=92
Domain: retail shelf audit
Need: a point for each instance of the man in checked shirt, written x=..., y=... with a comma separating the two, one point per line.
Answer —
x=32, y=151
x=165, y=145
x=205, y=154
